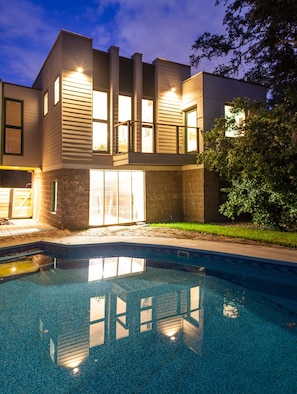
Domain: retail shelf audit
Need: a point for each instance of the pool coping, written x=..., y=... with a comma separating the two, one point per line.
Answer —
x=183, y=252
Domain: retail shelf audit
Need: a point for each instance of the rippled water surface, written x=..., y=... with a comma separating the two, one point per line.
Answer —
x=123, y=325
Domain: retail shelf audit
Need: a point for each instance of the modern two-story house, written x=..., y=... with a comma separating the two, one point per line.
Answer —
x=106, y=139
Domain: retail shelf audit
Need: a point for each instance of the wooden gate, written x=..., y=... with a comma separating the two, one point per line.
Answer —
x=16, y=203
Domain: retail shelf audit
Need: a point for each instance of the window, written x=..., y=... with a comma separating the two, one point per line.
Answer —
x=45, y=103
x=147, y=138
x=13, y=133
x=191, y=131
x=146, y=314
x=54, y=196
x=116, y=197
x=100, y=118
x=57, y=91
x=235, y=119
x=125, y=114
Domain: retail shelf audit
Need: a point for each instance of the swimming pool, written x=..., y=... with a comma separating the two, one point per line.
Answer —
x=140, y=319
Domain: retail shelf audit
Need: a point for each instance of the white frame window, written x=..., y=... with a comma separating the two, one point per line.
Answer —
x=45, y=103
x=125, y=115
x=57, y=90
x=116, y=197
x=147, y=135
x=239, y=117
x=191, y=130
x=100, y=121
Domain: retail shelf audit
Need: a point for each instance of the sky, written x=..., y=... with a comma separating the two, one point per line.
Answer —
x=156, y=28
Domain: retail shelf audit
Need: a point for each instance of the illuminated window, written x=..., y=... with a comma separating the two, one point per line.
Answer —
x=45, y=103
x=54, y=196
x=13, y=127
x=191, y=131
x=97, y=321
x=100, y=136
x=147, y=141
x=125, y=114
x=146, y=314
x=100, y=118
x=57, y=91
x=122, y=329
x=236, y=121
x=116, y=197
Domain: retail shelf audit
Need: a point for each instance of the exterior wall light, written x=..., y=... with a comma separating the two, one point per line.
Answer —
x=173, y=88
x=80, y=69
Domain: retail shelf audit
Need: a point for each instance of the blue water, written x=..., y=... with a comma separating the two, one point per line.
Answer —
x=122, y=325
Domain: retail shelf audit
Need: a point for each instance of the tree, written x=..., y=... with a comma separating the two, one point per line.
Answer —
x=260, y=164
x=260, y=43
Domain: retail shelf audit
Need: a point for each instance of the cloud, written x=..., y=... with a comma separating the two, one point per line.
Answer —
x=155, y=28
x=25, y=40
x=160, y=28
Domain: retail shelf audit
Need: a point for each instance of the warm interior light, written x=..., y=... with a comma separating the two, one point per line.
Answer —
x=75, y=371
x=80, y=69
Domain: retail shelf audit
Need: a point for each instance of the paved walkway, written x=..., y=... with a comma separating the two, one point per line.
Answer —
x=24, y=231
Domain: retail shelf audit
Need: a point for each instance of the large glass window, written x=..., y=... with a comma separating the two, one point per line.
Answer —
x=125, y=114
x=100, y=121
x=45, y=103
x=116, y=197
x=57, y=91
x=13, y=126
x=147, y=141
x=191, y=131
x=237, y=118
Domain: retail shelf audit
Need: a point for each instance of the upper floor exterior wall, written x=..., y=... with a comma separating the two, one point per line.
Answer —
x=60, y=106
x=169, y=78
x=23, y=135
x=209, y=93
x=67, y=124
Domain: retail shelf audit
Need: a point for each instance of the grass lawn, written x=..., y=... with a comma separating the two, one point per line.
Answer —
x=281, y=238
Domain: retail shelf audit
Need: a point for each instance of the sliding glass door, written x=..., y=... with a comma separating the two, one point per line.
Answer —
x=116, y=197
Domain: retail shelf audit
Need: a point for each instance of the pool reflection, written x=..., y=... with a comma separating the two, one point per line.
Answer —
x=119, y=300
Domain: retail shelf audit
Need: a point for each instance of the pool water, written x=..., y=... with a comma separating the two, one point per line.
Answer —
x=120, y=324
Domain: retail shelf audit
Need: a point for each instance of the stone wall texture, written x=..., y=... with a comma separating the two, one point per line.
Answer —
x=189, y=195
x=200, y=196
x=211, y=198
x=164, y=196
x=73, y=198
x=193, y=195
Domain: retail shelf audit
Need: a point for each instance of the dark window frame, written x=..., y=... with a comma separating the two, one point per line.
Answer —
x=8, y=127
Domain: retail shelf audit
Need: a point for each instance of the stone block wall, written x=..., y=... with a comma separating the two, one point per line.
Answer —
x=72, y=202
x=211, y=197
x=193, y=195
x=164, y=196
x=200, y=195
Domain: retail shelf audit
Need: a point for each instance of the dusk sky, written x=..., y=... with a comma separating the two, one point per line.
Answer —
x=155, y=28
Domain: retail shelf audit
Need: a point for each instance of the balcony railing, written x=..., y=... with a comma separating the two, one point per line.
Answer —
x=145, y=137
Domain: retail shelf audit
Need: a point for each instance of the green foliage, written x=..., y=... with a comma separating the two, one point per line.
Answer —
x=268, y=207
x=260, y=43
x=260, y=165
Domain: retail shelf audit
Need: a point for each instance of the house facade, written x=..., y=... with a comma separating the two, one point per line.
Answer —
x=108, y=140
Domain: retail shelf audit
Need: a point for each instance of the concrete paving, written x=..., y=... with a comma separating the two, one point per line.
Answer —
x=25, y=231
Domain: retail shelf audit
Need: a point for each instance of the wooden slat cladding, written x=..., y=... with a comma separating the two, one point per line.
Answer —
x=52, y=138
x=77, y=119
x=169, y=111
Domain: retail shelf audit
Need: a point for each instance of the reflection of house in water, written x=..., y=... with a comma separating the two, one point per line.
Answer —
x=138, y=303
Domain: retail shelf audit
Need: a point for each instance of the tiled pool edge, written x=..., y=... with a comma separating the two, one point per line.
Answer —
x=181, y=254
